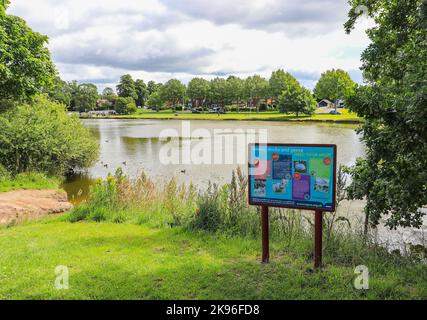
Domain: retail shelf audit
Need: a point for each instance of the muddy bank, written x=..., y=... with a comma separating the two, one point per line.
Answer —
x=21, y=205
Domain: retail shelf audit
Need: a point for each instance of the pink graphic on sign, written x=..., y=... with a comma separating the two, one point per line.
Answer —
x=262, y=169
x=301, y=188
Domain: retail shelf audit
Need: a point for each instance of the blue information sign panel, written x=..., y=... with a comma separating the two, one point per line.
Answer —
x=293, y=176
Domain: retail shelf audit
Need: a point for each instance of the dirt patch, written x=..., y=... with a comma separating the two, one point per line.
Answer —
x=20, y=205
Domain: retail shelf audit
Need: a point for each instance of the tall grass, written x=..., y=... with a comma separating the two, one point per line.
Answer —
x=222, y=209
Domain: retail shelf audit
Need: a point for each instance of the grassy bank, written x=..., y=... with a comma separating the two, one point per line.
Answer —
x=345, y=117
x=125, y=261
x=34, y=181
x=135, y=239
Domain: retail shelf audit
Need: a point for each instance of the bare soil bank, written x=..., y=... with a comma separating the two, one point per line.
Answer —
x=20, y=205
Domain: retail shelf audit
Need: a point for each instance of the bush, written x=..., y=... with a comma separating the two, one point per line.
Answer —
x=125, y=105
x=4, y=174
x=42, y=137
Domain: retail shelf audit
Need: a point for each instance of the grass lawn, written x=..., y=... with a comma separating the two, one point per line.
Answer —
x=34, y=181
x=123, y=261
x=345, y=117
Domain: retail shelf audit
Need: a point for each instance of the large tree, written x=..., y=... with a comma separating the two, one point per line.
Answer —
x=25, y=63
x=255, y=89
x=141, y=92
x=297, y=99
x=279, y=82
x=85, y=97
x=173, y=91
x=198, y=91
x=334, y=85
x=126, y=87
x=234, y=89
x=218, y=91
x=393, y=176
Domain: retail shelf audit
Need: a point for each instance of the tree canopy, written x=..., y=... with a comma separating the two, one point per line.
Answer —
x=173, y=91
x=296, y=99
x=393, y=177
x=334, y=85
x=126, y=87
x=25, y=63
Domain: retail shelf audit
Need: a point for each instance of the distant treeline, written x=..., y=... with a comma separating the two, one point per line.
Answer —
x=281, y=92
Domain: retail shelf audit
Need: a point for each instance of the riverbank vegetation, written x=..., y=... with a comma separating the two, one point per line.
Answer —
x=345, y=116
x=26, y=180
x=135, y=239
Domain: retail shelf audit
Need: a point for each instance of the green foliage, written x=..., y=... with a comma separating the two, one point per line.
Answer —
x=393, y=176
x=141, y=92
x=153, y=87
x=155, y=101
x=60, y=92
x=25, y=64
x=85, y=97
x=125, y=105
x=255, y=89
x=26, y=180
x=218, y=91
x=198, y=90
x=173, y=91
x=281, y=81
x=334, y=85
x=297, y=99
x=126, y=88
x=235, y=89
x=43, y=137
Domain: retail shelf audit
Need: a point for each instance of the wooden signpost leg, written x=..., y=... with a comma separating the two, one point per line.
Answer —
x=318, y=224
x=265, y=235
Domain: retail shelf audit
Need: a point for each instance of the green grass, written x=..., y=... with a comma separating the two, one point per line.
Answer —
x=126, y=261
x=345, y=117
x=29, y=180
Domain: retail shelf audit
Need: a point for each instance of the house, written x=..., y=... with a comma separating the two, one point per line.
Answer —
x=325, y=103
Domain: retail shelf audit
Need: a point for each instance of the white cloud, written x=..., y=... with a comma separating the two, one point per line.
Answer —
x=100, y=40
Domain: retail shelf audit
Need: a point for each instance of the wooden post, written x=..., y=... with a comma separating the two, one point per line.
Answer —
x=265, y=235
x=318, y=224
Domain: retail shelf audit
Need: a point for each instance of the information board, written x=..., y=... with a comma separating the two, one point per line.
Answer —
x=293, y=176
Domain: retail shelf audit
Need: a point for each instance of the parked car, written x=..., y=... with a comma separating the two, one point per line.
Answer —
x=196, y=111
x=334, y=112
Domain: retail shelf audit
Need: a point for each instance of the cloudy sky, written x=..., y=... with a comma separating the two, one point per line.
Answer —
x=99, y=40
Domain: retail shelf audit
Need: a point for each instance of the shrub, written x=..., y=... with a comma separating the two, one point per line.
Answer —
x=4, y=174
x=42, y=137
x=125, y=105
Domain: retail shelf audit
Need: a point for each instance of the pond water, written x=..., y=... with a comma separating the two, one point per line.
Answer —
x=135, y=146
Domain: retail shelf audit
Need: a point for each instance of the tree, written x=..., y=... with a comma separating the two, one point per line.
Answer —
x=25, y=64
x=173, y=91
x=334, y=85
x=85, y=97
x=153, y=87
x=280, y=81
x=218, y=91
x=141, y=92
x=155, y=101
x=256, y=88
x=125, y=105
x=234, y=89
x=198, y=91
x=42, y=137
x=109, y=94
x=297, y=99
x=60, y=92
x=126, y=87
x=393, y=175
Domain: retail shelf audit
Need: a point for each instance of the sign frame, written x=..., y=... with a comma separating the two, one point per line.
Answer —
x=334, y=178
